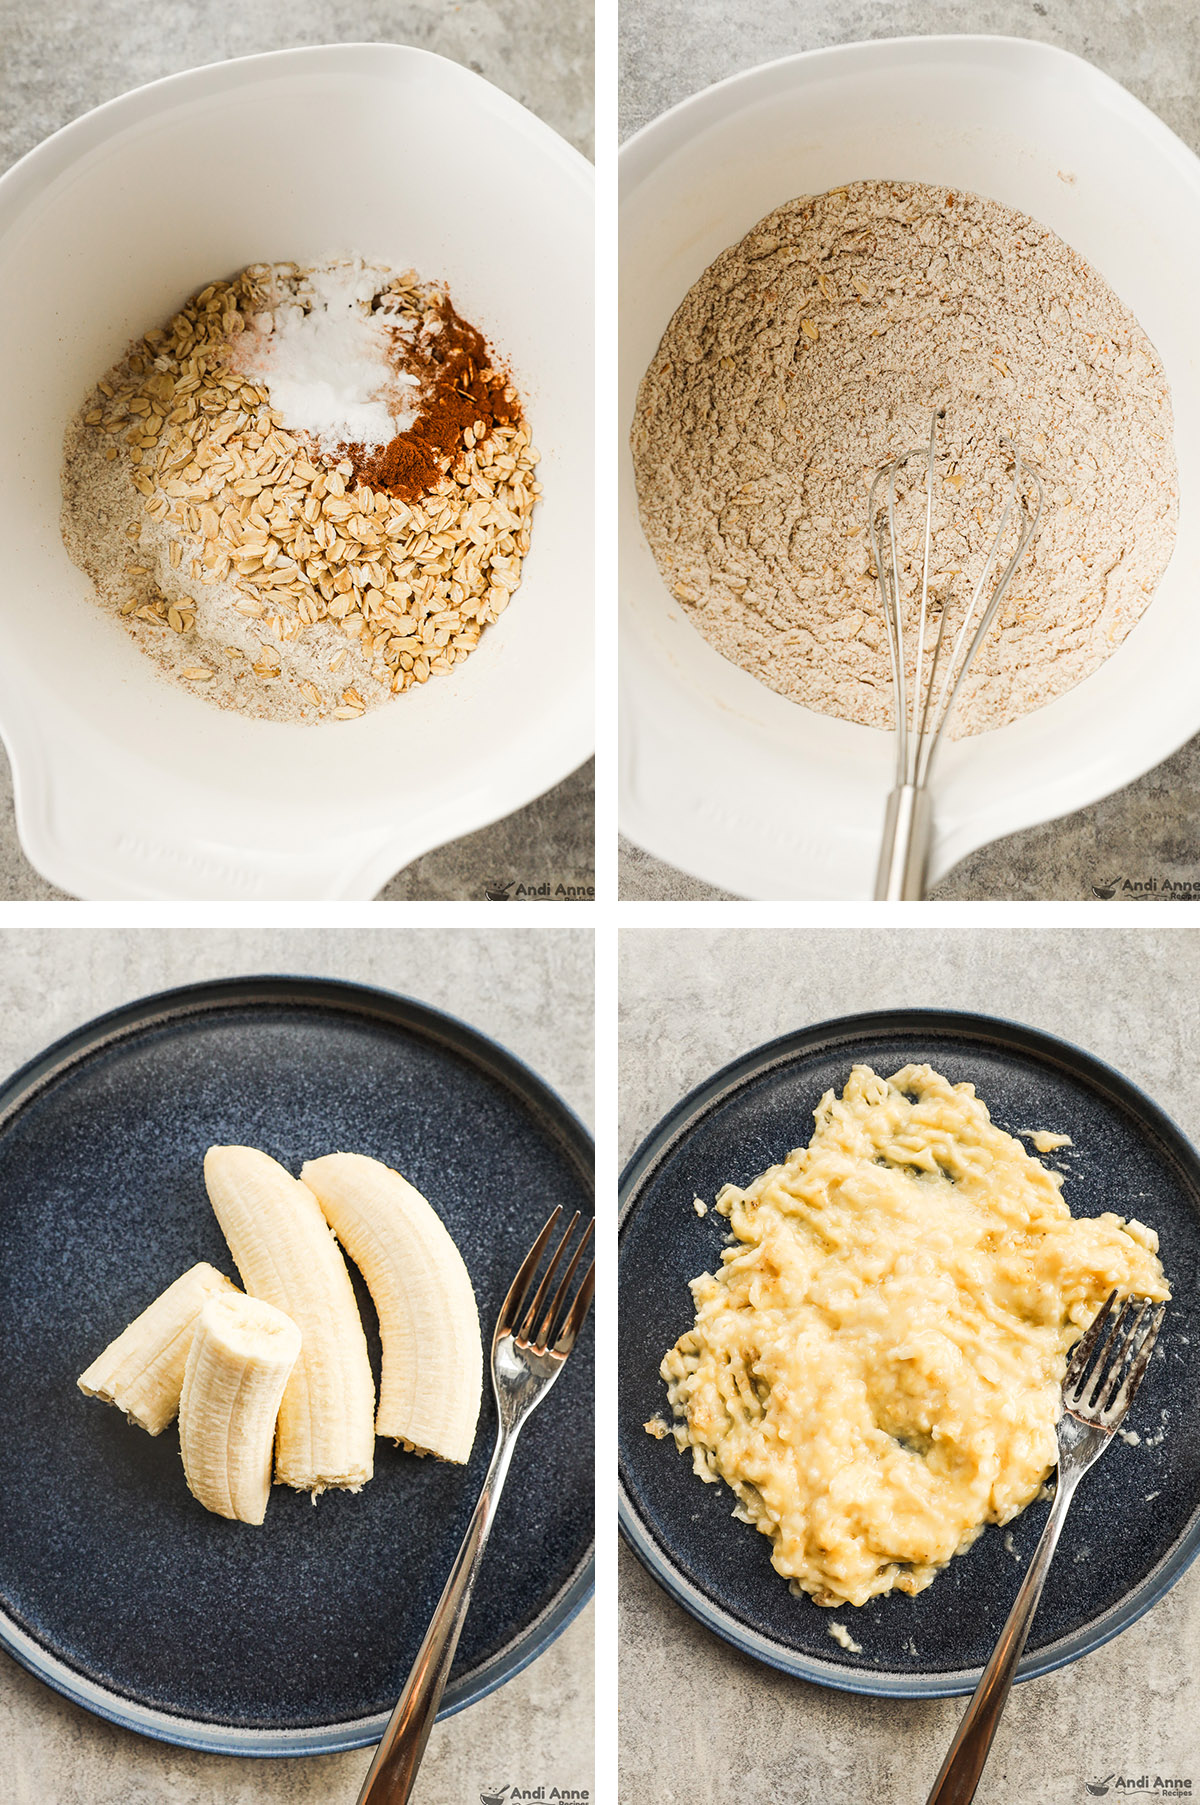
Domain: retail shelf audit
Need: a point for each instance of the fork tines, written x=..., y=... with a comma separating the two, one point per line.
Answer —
x=547, y=1322
x=1101, y=1390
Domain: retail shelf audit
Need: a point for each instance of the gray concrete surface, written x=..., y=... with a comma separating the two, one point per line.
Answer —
x=61, y=57
x=672, y=48
x=702, y=1724
x=532, y=990
x=552, y=841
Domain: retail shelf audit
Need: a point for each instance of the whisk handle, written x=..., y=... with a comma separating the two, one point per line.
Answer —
x=904, y=855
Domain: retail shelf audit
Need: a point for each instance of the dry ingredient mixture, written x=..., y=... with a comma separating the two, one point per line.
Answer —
x=817, y=349
x=309, y=491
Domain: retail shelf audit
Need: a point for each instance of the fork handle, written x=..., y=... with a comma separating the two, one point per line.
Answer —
x=961, y=1770
x=904, y=853
x=392, y=1773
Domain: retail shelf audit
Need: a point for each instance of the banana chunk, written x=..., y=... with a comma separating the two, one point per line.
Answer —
x=286, y=1255
x=432, y=1376
x=141, y=1372
x=242, y=1355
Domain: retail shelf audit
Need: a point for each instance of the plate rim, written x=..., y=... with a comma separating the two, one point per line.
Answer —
x=671, y=1129
x=203, y=998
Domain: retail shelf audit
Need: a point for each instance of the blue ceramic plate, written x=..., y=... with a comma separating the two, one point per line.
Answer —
x=1135, y=1523
x=116, y=1587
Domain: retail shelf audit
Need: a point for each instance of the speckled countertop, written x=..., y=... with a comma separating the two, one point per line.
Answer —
x=1148, y=833
x=62, y=57
x=532, y=990
x=700, y=1722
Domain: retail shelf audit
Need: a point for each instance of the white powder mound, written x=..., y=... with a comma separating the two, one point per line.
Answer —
x=327, y=361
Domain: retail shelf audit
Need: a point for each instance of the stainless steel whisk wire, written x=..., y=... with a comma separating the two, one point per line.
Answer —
x=920, y=725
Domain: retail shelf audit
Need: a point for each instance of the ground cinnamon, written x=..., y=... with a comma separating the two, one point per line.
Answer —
x=460, y=387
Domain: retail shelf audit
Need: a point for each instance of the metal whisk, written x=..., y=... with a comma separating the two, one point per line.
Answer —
x=921, y=720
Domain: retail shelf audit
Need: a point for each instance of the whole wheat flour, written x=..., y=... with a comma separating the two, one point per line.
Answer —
x=817, y=349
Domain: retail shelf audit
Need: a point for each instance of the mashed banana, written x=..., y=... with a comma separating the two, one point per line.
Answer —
x=876, y=1368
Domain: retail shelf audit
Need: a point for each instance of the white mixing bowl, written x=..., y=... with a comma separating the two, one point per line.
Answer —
x=720, y=775
x=126, y=785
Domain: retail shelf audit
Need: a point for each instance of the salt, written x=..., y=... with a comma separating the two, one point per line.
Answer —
x=327, y=362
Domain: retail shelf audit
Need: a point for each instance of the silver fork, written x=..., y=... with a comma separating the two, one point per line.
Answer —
x=1095, y=1400
x=534, y=1334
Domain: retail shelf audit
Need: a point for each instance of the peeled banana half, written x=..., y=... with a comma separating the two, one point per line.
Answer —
x=141, y=1372
x=242, y=1355
x=286, y=1255
x=432, y=1375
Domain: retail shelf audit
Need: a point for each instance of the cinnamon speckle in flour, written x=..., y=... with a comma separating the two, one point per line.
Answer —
x=814, y=351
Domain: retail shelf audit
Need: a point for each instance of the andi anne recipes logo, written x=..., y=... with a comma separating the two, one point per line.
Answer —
x=1148, y=889
x=499, y=889
x=1158, y=1786
x=543, y=1795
